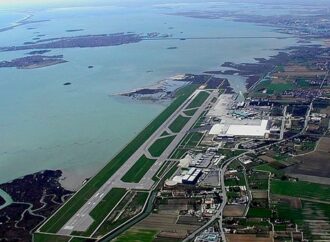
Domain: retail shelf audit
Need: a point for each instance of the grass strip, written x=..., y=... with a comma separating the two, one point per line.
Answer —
x=178, y=124
x=158, y=147
x=198, y=100
x=37, y=237
x=138, y=170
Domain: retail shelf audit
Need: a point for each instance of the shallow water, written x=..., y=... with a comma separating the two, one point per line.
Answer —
x=78, y=128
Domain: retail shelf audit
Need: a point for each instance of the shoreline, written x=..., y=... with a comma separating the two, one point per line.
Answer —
x=34, y=198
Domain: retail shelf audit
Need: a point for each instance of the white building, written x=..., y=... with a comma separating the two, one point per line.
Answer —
x=242, y=130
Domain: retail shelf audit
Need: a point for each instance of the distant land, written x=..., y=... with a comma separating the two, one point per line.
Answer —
x=34, y=61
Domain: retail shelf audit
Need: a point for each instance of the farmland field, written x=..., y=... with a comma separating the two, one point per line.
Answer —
x=314, y=164
x=301, y=189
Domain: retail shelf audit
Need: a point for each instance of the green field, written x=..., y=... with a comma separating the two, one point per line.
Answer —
x=137, y=236
x=274, y=88
x=198, y=100
x=73, y=205
x=309, y=214
x=236, y=182
x=258, y=180
x=161, y=171
x=49, y=238
x=192, y=139
x=269, y=168
x=259, y=213
x=229, y=153
x=158, y=147
x=301, y=189
x=165, y=133
x=76, y=239
x=178, y=124
x=178, y=153
x=136, y=204
x=190, y=112
x=138, y=170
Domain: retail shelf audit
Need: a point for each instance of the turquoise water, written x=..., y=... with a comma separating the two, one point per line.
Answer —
x=6, y=197
x=78, y=128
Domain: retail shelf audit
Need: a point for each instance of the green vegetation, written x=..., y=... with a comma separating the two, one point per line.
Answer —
x=259, y=213
x=137, y=236
x=165, y=133
x=308, y=145
x=179, y=153
x=138, y=170
x=190, y=112
x=158, y=147
x=302, y=83
x=192, y=139
x=200, y=120
x=178, y=124
x=269, y=168
x=76, y=202
x=306, y=215
x=198, y=100
x=103, y=209
x=285, y=211
x=240, y=181
x=131, y=209
x=37, y=237
x=258, y=180
x=274, y=88
x=230, y=153
x=161, y=171
x=77, y=239
x=301, y=189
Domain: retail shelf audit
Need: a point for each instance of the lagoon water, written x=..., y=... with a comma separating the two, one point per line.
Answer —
x=78, y=128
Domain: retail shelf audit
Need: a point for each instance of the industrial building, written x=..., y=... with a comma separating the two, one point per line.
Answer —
x=192, y=176
x=241, y=130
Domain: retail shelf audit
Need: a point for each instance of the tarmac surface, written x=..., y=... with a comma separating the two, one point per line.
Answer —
x=82, y=220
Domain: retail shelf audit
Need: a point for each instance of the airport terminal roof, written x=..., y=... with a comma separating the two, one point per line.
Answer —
x=241, y=130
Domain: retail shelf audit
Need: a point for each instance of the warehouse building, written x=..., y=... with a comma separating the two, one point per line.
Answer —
x=241, y=130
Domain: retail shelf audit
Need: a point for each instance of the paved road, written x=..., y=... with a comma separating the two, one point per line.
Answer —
x=82, y=220
x=219, y=213
x=283, y=123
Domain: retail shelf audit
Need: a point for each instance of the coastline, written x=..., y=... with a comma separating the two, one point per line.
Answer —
x=33, y=198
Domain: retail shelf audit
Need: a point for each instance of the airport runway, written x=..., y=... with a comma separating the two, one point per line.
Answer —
x=82, y=220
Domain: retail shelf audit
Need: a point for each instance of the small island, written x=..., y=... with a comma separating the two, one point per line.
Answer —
x=74, y=30
x=34, y=61
x=38, y=52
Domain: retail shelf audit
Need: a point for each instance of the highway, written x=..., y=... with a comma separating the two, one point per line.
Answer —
x=82, y=220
